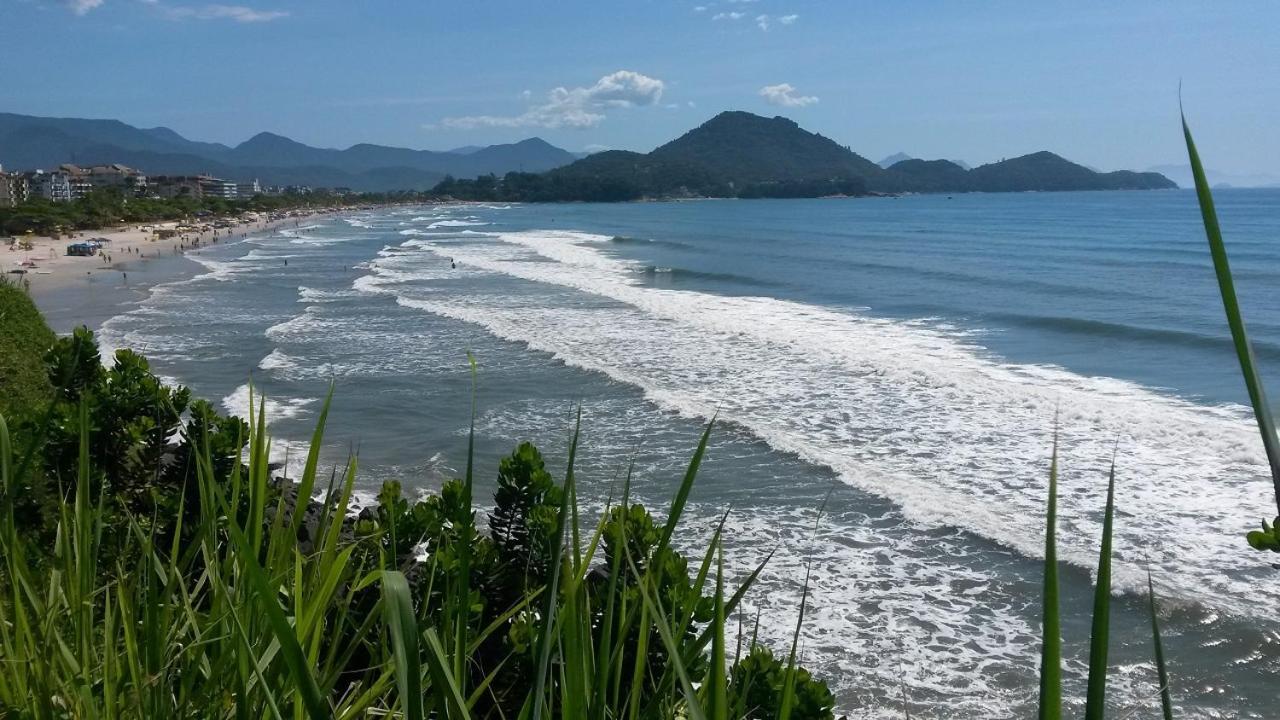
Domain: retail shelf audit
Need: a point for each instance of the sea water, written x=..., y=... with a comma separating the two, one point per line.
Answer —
x=908, y=357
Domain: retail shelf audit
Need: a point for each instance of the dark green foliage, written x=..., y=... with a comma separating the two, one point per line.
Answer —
x=523, y=523
x=755, y=689
x=142, y=445
x=25, y=390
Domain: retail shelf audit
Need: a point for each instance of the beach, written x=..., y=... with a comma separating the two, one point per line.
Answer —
x=76, y=290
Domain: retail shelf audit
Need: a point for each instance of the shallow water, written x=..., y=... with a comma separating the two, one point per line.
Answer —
x=907, y=355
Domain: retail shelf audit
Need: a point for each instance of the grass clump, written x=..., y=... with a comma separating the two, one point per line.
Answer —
x=174, y=577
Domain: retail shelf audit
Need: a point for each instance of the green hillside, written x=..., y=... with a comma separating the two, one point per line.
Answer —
x=24, y=338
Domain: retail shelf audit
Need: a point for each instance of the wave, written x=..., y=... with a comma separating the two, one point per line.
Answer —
x=237, y=403
x=650, y=242
x=663, y=275
x=1104, y=329
x=906, y=412
x=278, y=360
x=454, y=223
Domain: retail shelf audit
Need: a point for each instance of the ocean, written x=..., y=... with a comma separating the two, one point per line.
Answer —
x=908, y=357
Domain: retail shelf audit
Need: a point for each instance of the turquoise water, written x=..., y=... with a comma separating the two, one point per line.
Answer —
x=910, y=353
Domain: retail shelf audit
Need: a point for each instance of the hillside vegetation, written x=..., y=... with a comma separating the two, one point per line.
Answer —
x=24, y=338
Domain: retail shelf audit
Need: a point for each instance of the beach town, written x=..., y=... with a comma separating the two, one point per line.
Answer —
x=43, y=262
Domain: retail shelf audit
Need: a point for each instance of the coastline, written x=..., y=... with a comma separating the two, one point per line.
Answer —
x=72, y=291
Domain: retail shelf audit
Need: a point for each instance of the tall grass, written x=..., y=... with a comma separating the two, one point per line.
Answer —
x=239, y=619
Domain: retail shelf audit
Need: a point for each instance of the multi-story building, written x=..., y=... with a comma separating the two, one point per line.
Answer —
x=55, y=185
x=217, y=187
x=249, y=189
x=176, y=186
x=77, y=180
x=13, y=189
x=121, y=177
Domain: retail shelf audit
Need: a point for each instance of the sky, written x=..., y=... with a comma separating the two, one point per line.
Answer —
x=1096, y=82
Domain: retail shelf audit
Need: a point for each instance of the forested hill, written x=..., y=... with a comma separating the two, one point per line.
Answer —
x=738, y=154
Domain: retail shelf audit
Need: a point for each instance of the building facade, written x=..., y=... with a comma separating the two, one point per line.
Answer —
x=176, y=186
x=13, y=189
x=54, y=185
x=120, y=177
x=249, y=189
x=217, y=187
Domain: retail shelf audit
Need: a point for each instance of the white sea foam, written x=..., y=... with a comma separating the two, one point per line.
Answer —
x=954, y=437
x=278, y=360
x=454, y=223
x=237, y=403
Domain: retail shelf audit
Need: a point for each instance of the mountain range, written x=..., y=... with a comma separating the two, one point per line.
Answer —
x=28, y=142
x=734, y=154
x=738, y=154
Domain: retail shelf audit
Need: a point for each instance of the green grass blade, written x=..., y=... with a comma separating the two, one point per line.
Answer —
x=549, y=623
x=1239, y=335
x=306, y=484
x=1095, y=701
x=682, y=495
x=316, y=706
x=1051, y=643
x=1166, y=701
x=718, y=683
x=445, y=685
x=403, y=626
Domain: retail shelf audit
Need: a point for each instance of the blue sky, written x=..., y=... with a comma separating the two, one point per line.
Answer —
x=1096, y=82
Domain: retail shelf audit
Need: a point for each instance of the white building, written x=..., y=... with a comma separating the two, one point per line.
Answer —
x=217, y=187
x=55, y=185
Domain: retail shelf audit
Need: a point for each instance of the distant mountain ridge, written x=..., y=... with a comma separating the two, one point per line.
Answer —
x=39, y=142
x=739, y=154
x=734, y=154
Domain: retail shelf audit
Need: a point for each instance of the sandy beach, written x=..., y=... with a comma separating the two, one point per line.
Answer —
x=77, y=290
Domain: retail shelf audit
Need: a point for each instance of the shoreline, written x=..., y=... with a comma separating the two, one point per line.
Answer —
x=73, y=291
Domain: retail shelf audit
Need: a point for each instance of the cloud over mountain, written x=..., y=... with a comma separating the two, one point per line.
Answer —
x=785, y=95
x=578, y=107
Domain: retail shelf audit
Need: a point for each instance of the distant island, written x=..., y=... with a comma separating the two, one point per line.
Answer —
x=733, y=155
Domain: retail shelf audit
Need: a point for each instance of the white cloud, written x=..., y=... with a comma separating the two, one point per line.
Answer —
x=700, y=8
x=80, y=7
x=785, y=95
x=728, y=16
x=788, y=19
x=579, y=107
x=238, y=13
x=762, y=21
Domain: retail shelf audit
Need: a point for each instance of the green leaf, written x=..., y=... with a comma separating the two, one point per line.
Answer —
x=1239, y=335
x=1095, y=702
x=1166, y=702
x=1051, y=642
x=397, y=605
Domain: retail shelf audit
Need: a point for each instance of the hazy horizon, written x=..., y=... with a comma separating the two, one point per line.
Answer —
x=1095, y=84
